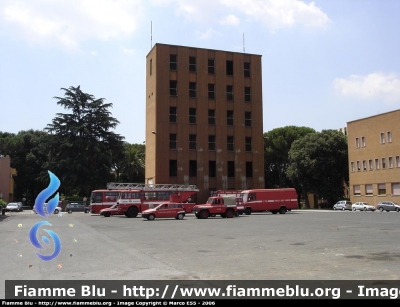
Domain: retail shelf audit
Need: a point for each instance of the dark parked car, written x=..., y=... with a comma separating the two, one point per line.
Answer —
x=75, y=207
x=388, y=206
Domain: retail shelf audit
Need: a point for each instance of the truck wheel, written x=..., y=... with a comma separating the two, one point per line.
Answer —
x=132, y=212
x=229, y=214
x=198, y=216
x=204, y=214
x=180, y=216
x=107, y=214
x=282, y=210
x=151, y=217
x=247, y=211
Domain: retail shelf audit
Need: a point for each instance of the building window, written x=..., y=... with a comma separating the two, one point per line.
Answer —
x=247, y=94
x=395, y=188
x=376, y=163
x=247, y=119
x=211, y=142
x=358, y=166
x=229, y=92
x=192, y=63
x=229, y=68
x=357, y=190
x=352, y=166
x=172, y=114
x=231, y=168
x=192, y=168
x=211, y=66
x=172, y=141
x=368, y=190
x=383, y=163
x=211, y=91
x=212, y=169
x=382, y=138
x=229, y=118
x=172, y=62
x=249, y=169
x=192, y=116
x=192, y=89
x=248, y=143
x=357, y=143
x=151, y=66
x=363, y=141
x=230, y=144
x=390, y=162
x=397, y=161
x=192, y=141
x=370, y=164
x=172, y=88
x=246, y=69
x=211, y=117
x=381, y=189
x=389, y=137
x=364, y=165
x=173, y=168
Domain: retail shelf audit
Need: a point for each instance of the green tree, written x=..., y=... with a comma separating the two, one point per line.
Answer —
x=318, y=163
x=83, y=144
x=133, y=164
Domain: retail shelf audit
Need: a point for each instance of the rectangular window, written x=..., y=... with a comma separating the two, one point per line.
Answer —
x=363, y=141
x=192, y=89
x=247, y=94
x=211, y=117
x=381, y=189
x=211, y=91
x=212, y=169
x=229, y=118
x=395, y=188
x=368, y=190
x=192, y=116
x=172, y=62
x=192, y=63
x=382, y=138
x=246, y=69
x=370, y=164
x=389, y=137
x=173, y=91
x=211, y=66
x=383, y=163
x=357, y=190
x=364, y=165
x=247, y=119
x=211, y=142
x=173, y=168
x=357, y=143
x=358, y=166
x=192, y=141
x=230, y=144
x=352, y=166
x=229, y=68
x=229, y=92
x=172, y=114
x=151, y=66
x=390, y=162
x=397, y=161
x=192, y=168
x=376, y=163
x=172, y=141
x=231, y=168
x=248, y=144
x=249, y=169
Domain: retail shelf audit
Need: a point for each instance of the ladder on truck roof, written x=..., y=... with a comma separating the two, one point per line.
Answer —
x=145, y=186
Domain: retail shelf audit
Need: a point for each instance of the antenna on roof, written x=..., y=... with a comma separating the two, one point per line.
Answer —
x=151, y=34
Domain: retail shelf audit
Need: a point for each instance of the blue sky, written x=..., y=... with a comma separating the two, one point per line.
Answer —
x=324, y=63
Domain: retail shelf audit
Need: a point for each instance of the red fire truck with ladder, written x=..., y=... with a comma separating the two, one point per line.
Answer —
x=134, y=198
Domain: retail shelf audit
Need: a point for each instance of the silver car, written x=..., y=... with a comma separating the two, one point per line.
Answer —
x=362, y=206
x=342, y=205
x=388, y=206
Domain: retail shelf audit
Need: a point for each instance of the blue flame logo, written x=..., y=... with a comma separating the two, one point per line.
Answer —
x=46, y=211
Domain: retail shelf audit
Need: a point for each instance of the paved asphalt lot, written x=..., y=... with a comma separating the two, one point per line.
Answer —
x=299, y=245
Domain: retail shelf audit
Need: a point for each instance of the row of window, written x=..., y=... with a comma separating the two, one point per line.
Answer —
x=212, y=168
x=230, y=145
x=381, y=187
x=383, y=139
x=173, y=65
x=173, y=91
x=377, y=163
x=173, y=116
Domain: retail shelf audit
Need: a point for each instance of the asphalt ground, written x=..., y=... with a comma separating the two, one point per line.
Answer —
x=298, y=245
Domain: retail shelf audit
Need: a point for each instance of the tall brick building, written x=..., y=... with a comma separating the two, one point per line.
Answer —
x=204, y=119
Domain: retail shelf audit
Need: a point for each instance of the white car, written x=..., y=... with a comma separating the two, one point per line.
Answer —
x=56, y=210
x=362, y=206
